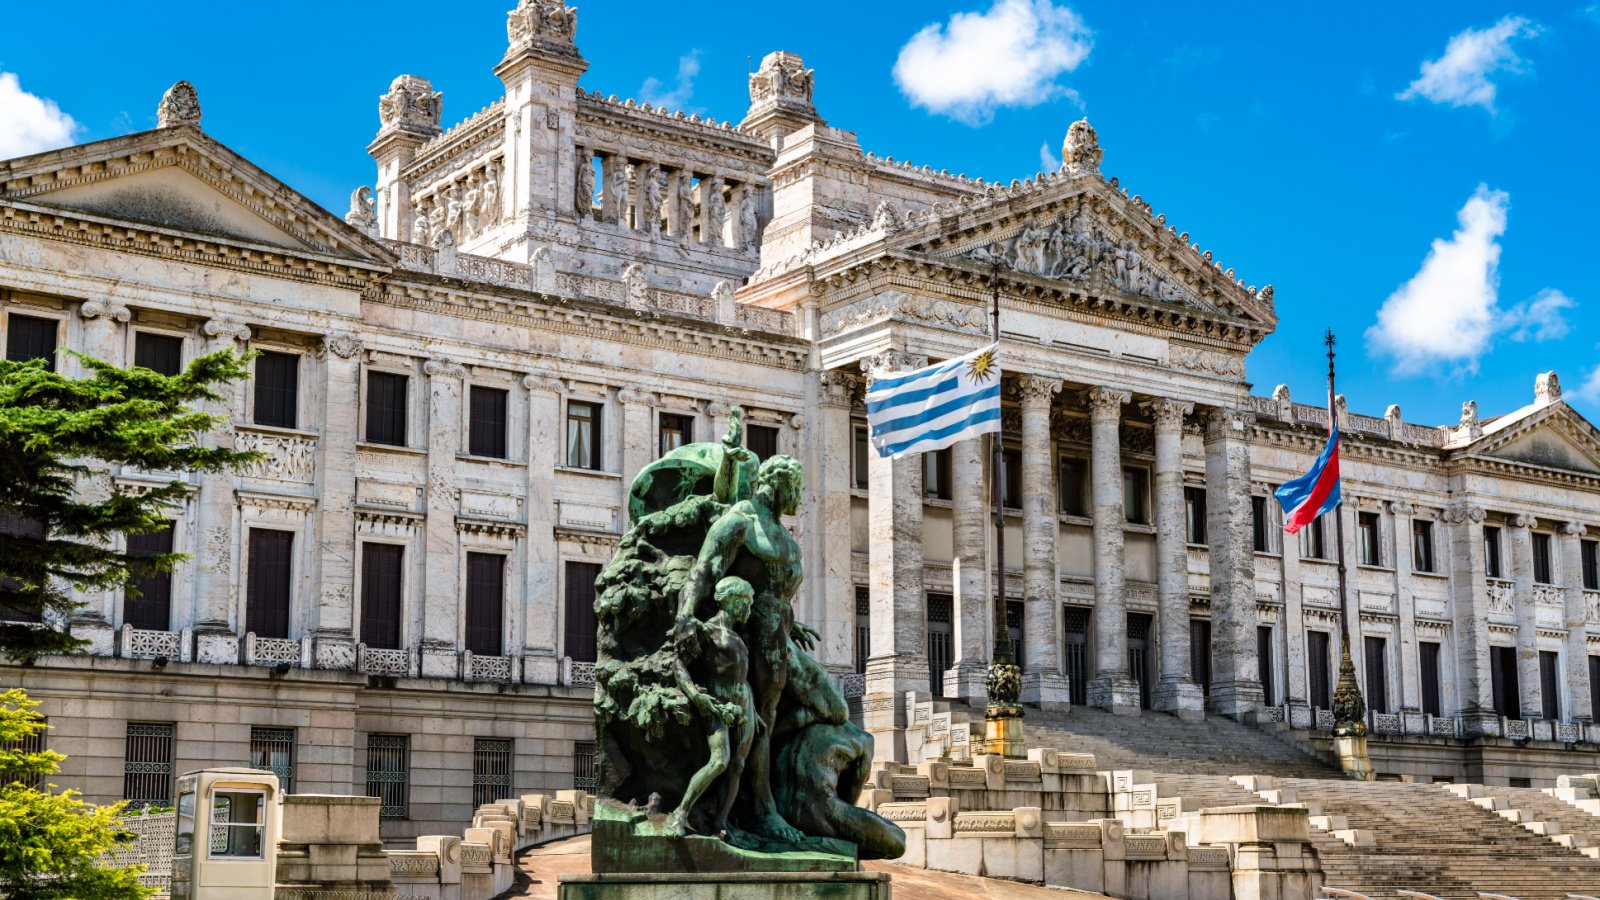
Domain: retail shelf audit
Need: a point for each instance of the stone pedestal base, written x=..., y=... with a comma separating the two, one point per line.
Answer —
x=216, y=647
x=98, y=633
x=1240, y=700
x=1002, y=732
x=726, y=886
x=1119, y=694
x=540, y=668
x=1353, y=758
x=440, y=662
x=1183, y=698
x=1048, y=690
x=965, y=683
x=1480, y=723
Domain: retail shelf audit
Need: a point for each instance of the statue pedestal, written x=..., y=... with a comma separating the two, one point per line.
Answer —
x=1002, y=732
x=629, y=841
x=726, y=885
x=1353, y=758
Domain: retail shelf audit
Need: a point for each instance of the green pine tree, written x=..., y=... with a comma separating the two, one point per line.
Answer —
x=52, y=845
x=56, y=540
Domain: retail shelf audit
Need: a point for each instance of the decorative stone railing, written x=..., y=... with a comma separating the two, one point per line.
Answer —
x=151, y=847
x=1325, y=720
x=1386, y=723
x=266, y=651
x=285, y=457
x=136, y=643
x=763, y=319
x=487, y=668
x=475, y=856
x=1568, y=732
x=853, y=684
x=380, y=661
x=1515, y=729
x=1443, y=726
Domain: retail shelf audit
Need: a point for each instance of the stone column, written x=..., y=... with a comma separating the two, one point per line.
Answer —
x=638, y=437
x=441, y=564
x=833, y=482
x=1176, y=693
x=102, y=339
x=1235, y=679
x=540, y=600
x=103, y=330
x=1469, y=604
x=1527, y=612
x=334, y=526
x=1112, y=687
x=1042, y=681
x=899, y=660
x=216, y=574
x=1408, y=653
x=969, y=571
x=1579, y=706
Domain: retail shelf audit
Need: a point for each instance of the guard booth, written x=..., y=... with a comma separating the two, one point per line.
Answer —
x=226, y=842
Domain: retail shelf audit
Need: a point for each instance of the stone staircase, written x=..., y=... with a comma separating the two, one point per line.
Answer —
x=1539, y=812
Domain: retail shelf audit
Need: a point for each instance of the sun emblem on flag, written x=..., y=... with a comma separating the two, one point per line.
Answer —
x=982, y=366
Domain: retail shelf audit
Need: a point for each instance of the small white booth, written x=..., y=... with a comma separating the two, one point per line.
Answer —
x=227, y=835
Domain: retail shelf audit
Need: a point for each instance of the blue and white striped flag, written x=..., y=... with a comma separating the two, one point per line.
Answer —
x=933, y=407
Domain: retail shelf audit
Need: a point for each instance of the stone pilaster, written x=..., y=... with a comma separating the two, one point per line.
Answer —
x=216, y=571
x=441, y=587
x=540, y=72
x=1578, y=706
x=103, y=330
x=638, y=434
x=1235, y=679
x=1042, y=681
x=833, y=482
x=332, y=627
x=1112, y=687
x=1469, y=603
x=540, y=609
x=1176, y=693
x=1529, y=694
x=969, y=571
x=1408, y=653
x=899, y=660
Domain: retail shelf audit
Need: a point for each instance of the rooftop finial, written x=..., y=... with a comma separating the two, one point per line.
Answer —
x=1546, y=388
x=180, y=105
x=1080, y=152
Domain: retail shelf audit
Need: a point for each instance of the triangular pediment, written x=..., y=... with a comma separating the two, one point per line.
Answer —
x=181, y=180
x=1552, y=436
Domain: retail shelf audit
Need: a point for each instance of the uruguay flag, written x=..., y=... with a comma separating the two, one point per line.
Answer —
x=1313, y=493
x=936, y=406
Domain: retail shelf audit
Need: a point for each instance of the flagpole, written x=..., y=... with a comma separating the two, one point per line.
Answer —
x=1349, y=711
x=1003, y=715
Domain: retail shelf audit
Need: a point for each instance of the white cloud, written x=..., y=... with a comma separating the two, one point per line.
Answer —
x=1539, y=319
x=975, y=63
x=28, y=123
x=1590, y=389
x=1461, y=76
x=1047, y=160
x=655, y=92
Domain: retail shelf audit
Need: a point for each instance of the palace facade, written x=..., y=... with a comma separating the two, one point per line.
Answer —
x=456, y=383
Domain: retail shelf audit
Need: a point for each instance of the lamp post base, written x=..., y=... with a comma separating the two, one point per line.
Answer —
x=1002, y=731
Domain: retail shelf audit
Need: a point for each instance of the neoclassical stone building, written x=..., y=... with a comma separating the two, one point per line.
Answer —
x=457, y=381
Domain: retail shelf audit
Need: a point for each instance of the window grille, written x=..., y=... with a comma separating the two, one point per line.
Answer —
x=863, y=628
x=939, y=639
x=491, y=770
x=583, y=765
x=33, y=743
x=389, y=774
x=147, y=764
x=1076, y=629
x=273, y=749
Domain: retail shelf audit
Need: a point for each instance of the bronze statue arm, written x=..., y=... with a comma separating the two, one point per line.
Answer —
x=721, y=545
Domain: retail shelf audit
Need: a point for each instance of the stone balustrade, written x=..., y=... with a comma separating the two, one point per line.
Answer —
x=137, y=643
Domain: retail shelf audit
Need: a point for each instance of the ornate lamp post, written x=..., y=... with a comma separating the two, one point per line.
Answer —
x=1003, y=717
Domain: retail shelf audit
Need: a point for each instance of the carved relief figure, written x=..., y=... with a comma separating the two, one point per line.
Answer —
x=716, y=211
x=411, y=103
x=616, y=199
x=453, y=208
x=782, y=76
x=363, y=214
x=551, y=20
x=583, y=193
x=491, y=195
x=180, y=105
x=469, y=210
x=653, y=194
x=422, y=224
x=748, y=232
x=686, y=207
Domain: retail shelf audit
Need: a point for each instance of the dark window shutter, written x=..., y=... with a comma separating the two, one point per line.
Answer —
x=152, y=609
x=762, y=440
x=381, y=580
x=1320, y=687
x=386, y=408
x=1374, y=650
x=1550, y=684
x=1264, y=664
x=162, y=353
x=30, y=337
x=28, y=531
x=486, y=594
x=1431, y=704
x=268, y=590
x=277, y=389
x=487, y=423
x=581, y=622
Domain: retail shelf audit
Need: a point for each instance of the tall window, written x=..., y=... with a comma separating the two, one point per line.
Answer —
x=486, y=434
x=382, y=584
x=1313, y=541
x=583, y=765
x=1076, y=630
x=860, y=453
x=1375, y=651
x=1260, y=525
x=277, y=387
x=1367, y=531
x=1074, y=486
x=491, y=770
x=389, y=774
x=936, y=474
x=1428, y=652
x=148, y=605
x=33, y=743
x=1194, y=514
x=486, y=600
x=268, y=589
x=1550, y=683
x=581, y=622
x=939, y=641
x=1136, y=495
x=863, y=628
x=1319, y=685
x=1264, y=657
x=273, y=749
x=386, y=408
x=1200, y=653
x=1589, y=552
x=1594, y=682
x=1422, y=545
x=31, y=337
x=583, y=435
x=147, y=764
x=675, y=431
x=762, y=440
x=162, y=353
x=23, y=532
x=1541, y=558
x=1491, y=552
x=1503, y=674
x=1011, y=477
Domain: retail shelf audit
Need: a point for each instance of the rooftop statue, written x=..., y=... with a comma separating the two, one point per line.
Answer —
x=722, y=744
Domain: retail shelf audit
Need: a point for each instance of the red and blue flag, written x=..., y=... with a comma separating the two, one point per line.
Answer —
x=1313, y=493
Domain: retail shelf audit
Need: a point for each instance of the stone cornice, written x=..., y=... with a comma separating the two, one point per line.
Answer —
x=439, y=155
x=636, y=127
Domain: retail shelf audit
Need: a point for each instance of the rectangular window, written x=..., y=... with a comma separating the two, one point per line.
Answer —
x=389, y=774
x=1264, y=662
x=583, y=765
x=23, y=533
x=273, y=749
x=1076, y=619
x=1135, y=496
x=940, y=637
x=1074, y=486
x=486, y=425
x=1319, y=686
x=1313, y=542
x=583, y=435
x=31, y=337
x=863, y=628
x=580, y=618
x=160, y=353
x=1503, y=672
x=1367, y=531
x=382, y=586
x=1375, y=651
x=1422, y=545
x=675, y=431
x=1432, y=703
x=936, y=474
x=148, y=606
x=762, y=440
x=1541, y=558
x=1259, y=525
x=486, y=600
x=238, y=822
x=147, y=764
x=1200, y=653
x=860, y=454
x=1194, y=515
x=1014, y=631
x=277, y=400
x=491, y=770
x=1011, y=477
x=1594, y=682
x=268, y=590
x=1589, y=552
x=386, y=408
x=1491, y=552
x=1550, y=683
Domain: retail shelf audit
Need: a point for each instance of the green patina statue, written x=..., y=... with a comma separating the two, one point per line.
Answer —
x=715, y=724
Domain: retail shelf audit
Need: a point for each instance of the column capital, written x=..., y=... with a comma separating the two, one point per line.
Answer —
x=1522, y=520
x=1462, y=511
x=543, y=382
x=1574, y=529
x=635, y=393
x=443, y=367
x=1402, y=507
x=226, y=328
x=1036, y=390
x=1167, y=412
x=108, y=309
x=838, y=387
x=1223, y=423
x=890, y=361
x=1105, y=401
x=341, y=344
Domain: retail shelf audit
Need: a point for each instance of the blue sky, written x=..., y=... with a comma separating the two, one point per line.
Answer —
x=1418, y=177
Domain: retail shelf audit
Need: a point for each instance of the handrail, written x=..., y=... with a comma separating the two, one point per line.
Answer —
x=1341, y=892
x=1486, y=896
x=1418, y=895
x=1581, y=897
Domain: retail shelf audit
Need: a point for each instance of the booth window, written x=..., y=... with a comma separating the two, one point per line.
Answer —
x=238, y=820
